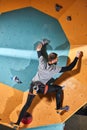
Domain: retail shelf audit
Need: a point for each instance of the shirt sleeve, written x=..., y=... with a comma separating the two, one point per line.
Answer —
x=70, y=66
x=39, y=54
x=42, y=61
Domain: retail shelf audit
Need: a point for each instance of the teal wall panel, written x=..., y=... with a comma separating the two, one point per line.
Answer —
x=20, y=31
x=49, y=127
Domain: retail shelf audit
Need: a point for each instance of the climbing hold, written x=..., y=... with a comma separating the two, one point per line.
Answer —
x=16, y=79
x=45, y=41
x=27, y=119
x=68, y=18
x=58, y=7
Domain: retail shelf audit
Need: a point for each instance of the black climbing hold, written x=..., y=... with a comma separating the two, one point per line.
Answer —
x=58, y=7
x=69, y=18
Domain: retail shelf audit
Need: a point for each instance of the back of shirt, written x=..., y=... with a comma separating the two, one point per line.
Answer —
x=45, y=71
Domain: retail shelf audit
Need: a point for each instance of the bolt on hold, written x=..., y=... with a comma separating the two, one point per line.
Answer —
x=58, y=7
x=16, y=79
x=68, y=18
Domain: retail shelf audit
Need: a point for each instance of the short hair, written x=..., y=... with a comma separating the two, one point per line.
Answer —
x=52, y=56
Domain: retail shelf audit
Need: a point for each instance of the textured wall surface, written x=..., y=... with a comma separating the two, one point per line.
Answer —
x=76, y=33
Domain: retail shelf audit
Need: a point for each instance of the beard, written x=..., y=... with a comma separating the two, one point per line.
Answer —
x=55, y=63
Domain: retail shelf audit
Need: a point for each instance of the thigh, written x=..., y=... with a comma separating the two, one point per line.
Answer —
x=53, y=88
x=31, y=87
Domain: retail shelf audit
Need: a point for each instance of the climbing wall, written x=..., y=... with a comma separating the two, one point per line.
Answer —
x=75, y=91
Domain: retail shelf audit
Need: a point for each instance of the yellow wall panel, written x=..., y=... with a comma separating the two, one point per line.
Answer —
x=76, y=29
x=48, y=6
x=9, y=99
x=8, y=5
x=75, y=93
